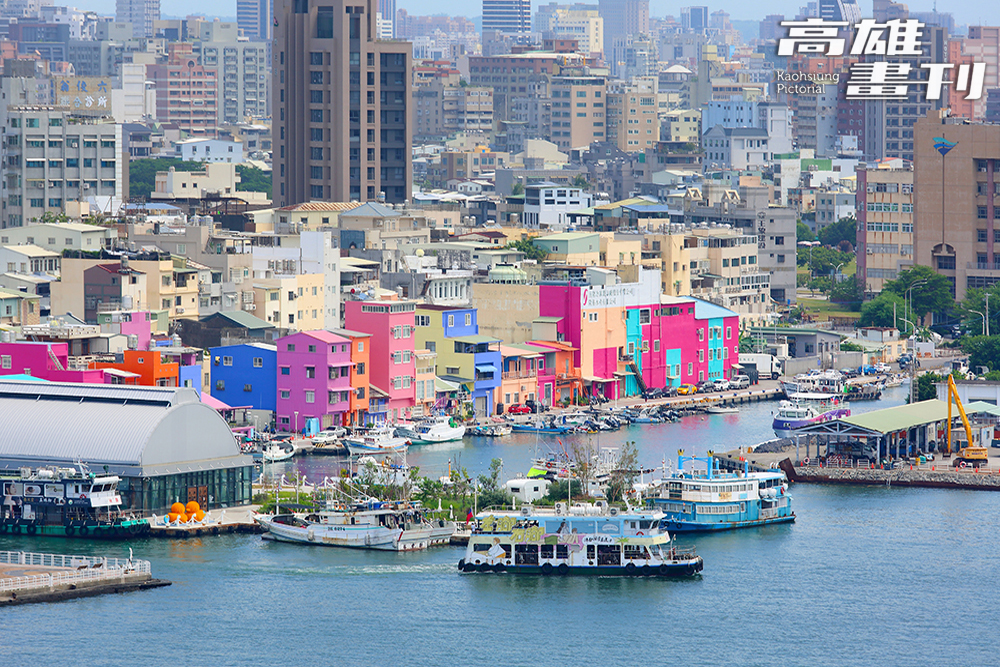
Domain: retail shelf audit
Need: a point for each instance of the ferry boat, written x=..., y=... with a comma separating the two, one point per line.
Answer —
x=825, y=382
x=432, y=430
x=806, y=409
x=370, y=524
x=378, y=440
x=65, y=502
x=593, y=539
x=707, y=500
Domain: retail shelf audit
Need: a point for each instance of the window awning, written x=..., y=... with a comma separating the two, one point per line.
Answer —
x=486, y=368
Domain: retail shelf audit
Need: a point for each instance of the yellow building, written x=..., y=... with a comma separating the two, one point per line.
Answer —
x=620, y=249
x=293, y=302
x=682, y=125
x=633, y=122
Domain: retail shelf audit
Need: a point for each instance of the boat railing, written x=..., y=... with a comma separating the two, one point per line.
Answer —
x=77, y=569
x=680, y=553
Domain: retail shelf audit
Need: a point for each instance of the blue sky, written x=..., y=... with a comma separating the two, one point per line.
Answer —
x=965, y=11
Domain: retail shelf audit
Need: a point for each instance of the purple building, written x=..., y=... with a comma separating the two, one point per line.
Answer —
x=314, y=381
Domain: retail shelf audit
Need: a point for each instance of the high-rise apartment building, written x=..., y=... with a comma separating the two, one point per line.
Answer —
x=580, y=118
x=140, y=13
x=956, y=230
x=255, y=18
x=884, y=211
x=242, y=71
x=340, y=112
x=632, y=120
x=694, y=19
x=387, y=8
x=186, y=91
x=507, y=16
x=580, y=22
x=623, y=20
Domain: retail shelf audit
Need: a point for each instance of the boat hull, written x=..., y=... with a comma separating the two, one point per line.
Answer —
x=674, y=569
x=123, y=531
x=381, y=539
x=785, y=428
x=675, y=526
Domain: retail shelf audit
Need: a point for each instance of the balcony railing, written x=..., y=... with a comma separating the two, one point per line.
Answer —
x=519, y=375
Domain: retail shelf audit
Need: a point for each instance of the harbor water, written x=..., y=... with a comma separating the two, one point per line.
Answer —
x=866, y=576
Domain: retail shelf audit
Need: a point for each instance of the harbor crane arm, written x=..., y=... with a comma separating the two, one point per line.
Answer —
x=953, y=396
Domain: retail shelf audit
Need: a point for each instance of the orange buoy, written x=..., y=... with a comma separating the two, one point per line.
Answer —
x=173, y=516
x=199, y=515
x=177, y=508
x=183, y=518
x=192, y=507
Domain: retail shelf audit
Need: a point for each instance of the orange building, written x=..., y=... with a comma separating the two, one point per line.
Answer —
x=149, y=366
x=360, y=374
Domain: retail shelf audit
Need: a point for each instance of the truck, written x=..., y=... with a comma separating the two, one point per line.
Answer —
x=767, y=365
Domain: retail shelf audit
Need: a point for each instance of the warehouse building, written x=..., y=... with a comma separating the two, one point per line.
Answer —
x=164, y=443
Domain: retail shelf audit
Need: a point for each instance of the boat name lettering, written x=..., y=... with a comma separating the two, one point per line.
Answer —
x=501, y=524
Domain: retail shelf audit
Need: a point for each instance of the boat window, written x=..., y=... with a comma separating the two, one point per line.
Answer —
x=547, y=550
x=481, y=547
x=591, y=551
x=562, y=551
x=644, y=525
x=585, y=527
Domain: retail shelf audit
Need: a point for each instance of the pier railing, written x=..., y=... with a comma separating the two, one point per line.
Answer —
x=77, y=569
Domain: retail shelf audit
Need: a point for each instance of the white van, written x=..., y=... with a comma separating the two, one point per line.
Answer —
x=739, y=382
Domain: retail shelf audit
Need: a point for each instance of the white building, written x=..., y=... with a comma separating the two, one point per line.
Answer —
x=58, y=236
x=210, y=150
x=140, y=13
x=548, y=205
x=217, y=178
x=736, y=147
x=51, y=157
x=305, y=253
x=243, y=79
x=28, y=259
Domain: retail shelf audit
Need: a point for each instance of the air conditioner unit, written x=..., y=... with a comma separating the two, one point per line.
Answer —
x=868, y=251
x=251, y=306
x=180, y=311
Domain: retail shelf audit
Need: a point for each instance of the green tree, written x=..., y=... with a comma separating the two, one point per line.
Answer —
x=925, y=386
x=491, y=494
x=931, y=291
x=847, y=292
x=983, y=351
x=626, y=471
x=142, y=173
x=849, y=346
x=822, y=261
x=580, y=181
x=845, y=229
x=530, y=250
x=517, y=190
x=803, y=233
x=880, y=312
x=975, y=303
x=253, y=179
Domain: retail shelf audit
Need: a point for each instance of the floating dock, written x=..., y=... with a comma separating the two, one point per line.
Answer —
x=36, y=577
x=217, y=522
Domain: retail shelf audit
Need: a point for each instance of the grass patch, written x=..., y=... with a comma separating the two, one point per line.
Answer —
x=821, y=309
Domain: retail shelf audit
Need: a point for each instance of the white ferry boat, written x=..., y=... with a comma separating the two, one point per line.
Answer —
x=432, y=430
x=710, y=500
x=582, y=539
x=375, y=441
x=365, y=525
x=806, y=409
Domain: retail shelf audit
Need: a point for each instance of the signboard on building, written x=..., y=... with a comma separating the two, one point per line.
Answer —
x=83, y=94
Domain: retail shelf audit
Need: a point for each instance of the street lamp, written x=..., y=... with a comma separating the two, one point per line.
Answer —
x=836, y=272
x=982, y=316
x=986, y=319
x=908, y=294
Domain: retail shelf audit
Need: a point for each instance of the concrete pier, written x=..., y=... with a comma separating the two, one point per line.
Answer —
x=217, y=522
x=36, y=577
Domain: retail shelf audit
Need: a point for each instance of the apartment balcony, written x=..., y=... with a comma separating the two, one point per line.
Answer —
x=519, y=375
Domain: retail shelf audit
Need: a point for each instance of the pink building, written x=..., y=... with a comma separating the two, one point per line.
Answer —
x=47, y=361
x=393, y=363
x=314, y=380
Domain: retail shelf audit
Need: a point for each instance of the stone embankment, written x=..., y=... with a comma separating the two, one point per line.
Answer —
x=900, y=476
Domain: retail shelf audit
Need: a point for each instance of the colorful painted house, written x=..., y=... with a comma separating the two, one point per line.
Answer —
x=46, y=361
x=360, y=373
x=245, y=374
x=190, y=364
x=392, y=345
x=559, y=378
x=153, y=370
x=464, y=356
x=313, y=380
x=519, y=378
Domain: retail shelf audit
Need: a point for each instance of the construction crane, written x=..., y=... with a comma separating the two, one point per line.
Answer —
x=971, y=454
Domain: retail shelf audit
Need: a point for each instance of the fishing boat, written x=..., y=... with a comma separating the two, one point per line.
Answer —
x=807, y=409
x=722, y=410
x=821, y=382
x=432, y=430
x=276, y=452
x=588, y=539
x=369, y=524
x=497, y=430
x=709, y=499
x=541, y=426
x=375, y=441
x=645, y=416
x=65, y=502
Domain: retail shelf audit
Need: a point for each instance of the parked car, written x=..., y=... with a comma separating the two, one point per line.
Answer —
x=652, y=392
x=849, y=372
x=687, y=389
x=669, y=392
x=706, y=386
x=519, y=409
x=739, y=382
x=535, y=407
x=722, y=384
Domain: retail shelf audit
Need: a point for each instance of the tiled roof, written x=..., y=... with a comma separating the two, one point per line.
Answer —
x=322, y=206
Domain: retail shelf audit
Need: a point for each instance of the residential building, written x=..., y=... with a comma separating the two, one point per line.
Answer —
x=833, y=204
x=113, y=286
x=580, y=22
x=357, y=411
x=245, y=374
x=391, y=326
x=632, y=121
x=464, y=356
x=444, y=109
x=254, y=18
x=308, y=253
x=27, y=259
x=885, y=216
x=571, y=248
x=210, y=150
x=46, y=360
x=694, y=19
x=387, y=8
x=622, y=20
x=548, y=205
x=151, y=369
x=519, y=373
x=187, y=92
x=18, y=308
x=59, y=236
x=242, y=70
x=54, y=158
x=140, y=13
x=295, y=302
x=313, y=382
x=682, y=126
x=217, y=178
x=221, y=328
x=559, y=378
x=738, y=148
x=425, y=384
x=507, y=16
x=193, y=367
x=325, y=149
x=579, y=112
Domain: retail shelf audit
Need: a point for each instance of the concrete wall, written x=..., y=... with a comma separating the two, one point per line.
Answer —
x=506, y=311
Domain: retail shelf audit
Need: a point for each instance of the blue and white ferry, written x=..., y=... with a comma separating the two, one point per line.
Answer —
x=581, y=538
x=705, y=500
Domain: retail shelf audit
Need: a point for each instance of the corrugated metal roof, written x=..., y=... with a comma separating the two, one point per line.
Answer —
x=901, y=417
x=97, y=393
x=703, y=310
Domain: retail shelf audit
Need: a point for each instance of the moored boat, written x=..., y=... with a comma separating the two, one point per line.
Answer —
x=275, y=452
x=432, y=430
x=370, y=524
x=496, y=430
x=380, y=440
x=65, y=502
x=711, y=500
x=807, y=409
x=579, y=539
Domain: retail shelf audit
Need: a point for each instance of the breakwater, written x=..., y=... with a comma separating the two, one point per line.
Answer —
x=898, y=476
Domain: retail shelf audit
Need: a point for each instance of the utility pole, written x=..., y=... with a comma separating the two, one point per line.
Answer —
x=986, y=319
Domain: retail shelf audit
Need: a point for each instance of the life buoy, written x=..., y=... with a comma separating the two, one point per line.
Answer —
x=806, y=461
x=547, y=568
x=31, y=529
x=640, y=533
x=963, y=464
x=83, y=496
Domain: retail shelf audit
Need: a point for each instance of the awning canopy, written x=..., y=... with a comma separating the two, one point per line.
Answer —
x=486, y=368
x=444, y=385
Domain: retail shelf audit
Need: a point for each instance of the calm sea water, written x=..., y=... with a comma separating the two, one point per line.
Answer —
x=865, y=576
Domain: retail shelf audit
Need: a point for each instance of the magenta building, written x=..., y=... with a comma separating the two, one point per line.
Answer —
x=393, y=364
x=314, y=381
x=46, y=361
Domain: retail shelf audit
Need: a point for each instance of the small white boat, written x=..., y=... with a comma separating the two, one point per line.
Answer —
x=722, y=410
x=375, y=441
x=274, y=453
x=432, y=430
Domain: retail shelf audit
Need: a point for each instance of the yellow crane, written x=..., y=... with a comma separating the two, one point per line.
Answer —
x=970, y=454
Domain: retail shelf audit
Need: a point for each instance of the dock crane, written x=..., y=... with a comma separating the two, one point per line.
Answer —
x=971, y=454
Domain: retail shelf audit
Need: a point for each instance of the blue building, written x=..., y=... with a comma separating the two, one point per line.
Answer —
x=245, y=374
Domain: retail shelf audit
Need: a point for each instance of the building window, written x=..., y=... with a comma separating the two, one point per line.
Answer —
x=286, y=394
x=291, y=347
x=361, y=368
x=451, y=320
x=468, y=319
x=310, y=396
x=690, y=368
x=227, y=361
x=285, y=370
x=258, y=362
x=247, y=387
x=310, y=371
x=220, y=385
